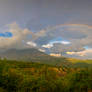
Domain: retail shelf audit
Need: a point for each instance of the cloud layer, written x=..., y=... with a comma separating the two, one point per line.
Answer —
x=74, y=37
x=15, y=41
x=67, y=39
x=86, y=54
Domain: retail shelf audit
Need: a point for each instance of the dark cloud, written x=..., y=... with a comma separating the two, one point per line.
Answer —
x=78, y=34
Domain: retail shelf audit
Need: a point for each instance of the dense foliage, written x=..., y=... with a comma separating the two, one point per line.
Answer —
x=35, y=77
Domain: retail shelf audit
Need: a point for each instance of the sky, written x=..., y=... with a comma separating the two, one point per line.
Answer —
x=51, y=26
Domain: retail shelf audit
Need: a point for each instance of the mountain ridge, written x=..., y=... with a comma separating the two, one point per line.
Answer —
x=31, y=54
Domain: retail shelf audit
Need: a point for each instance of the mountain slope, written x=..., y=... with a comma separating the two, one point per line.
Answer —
x=31, y=55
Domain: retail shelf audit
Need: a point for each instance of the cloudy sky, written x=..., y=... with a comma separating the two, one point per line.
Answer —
x=52, y=26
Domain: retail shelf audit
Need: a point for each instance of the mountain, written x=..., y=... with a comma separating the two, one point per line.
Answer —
x=23, y=54
x=34, y=55
x=31, y=54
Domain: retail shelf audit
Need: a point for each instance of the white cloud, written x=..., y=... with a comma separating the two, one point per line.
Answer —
x=62, y=42
x=86, y=53
x=65, y=42
x=55, y=55
x=42, y=50
x=32, y=44
x=51, y=44
x=47, y=45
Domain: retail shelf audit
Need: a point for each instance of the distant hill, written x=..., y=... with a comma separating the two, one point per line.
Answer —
x=31, y=54
x=34, y=55
x=23, y=54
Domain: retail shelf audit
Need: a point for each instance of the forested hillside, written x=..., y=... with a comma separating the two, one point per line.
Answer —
x=35, y=77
